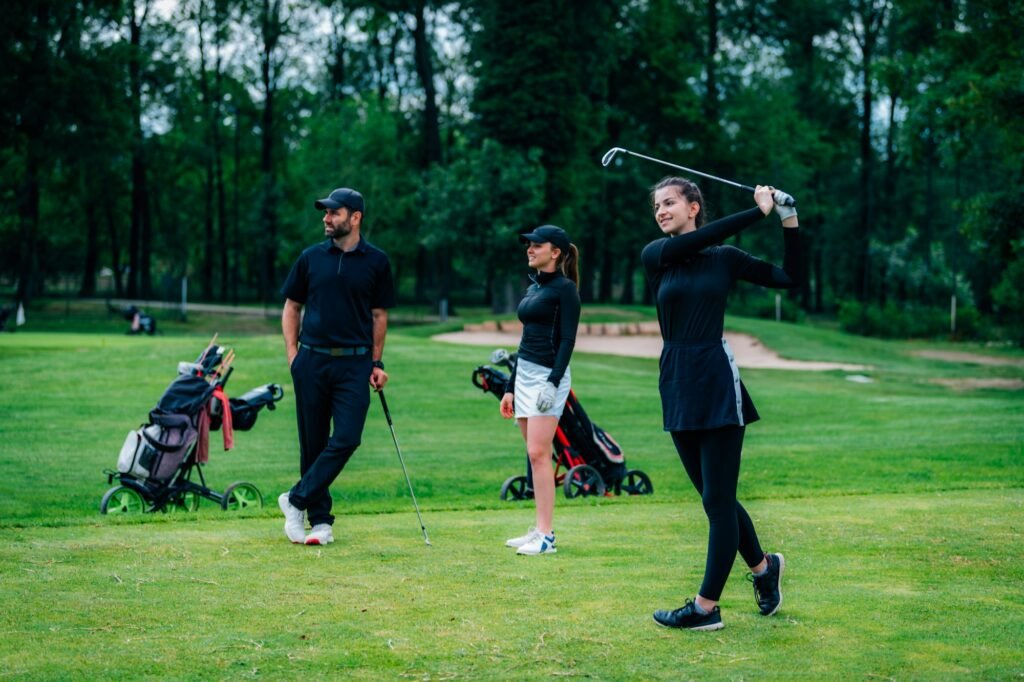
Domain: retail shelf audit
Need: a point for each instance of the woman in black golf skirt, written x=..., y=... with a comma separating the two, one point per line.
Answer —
x=705, y=405
x=540, y=381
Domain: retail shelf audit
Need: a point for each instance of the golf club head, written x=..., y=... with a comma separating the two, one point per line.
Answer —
x=499, y=356
x=610, y=154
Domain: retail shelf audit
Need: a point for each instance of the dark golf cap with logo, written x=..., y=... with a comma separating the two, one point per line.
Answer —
x=547, y=233
x=343, y=196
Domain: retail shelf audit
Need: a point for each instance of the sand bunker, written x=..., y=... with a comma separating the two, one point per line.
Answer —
x=636, y=340
x=973, y=384
x=970, y=358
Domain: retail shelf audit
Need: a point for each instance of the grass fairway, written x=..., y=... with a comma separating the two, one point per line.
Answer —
x=899, y=505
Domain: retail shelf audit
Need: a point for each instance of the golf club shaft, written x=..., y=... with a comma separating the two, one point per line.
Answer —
x=611, y=154
x=394, y=437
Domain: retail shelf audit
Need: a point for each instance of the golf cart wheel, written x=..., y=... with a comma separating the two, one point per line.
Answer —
x=241, y=495
x=635, y=482
x=122, y=500
x=583, y=481
x=187, y=501
x=515, y=489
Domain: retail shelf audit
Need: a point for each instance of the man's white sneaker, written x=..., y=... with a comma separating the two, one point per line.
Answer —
x=540, y=544
x=294, y=520
x=522, y=539
x=320, y=535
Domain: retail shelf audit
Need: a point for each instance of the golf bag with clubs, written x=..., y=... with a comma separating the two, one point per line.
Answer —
x=141, y=321
x=158, y=460
x=587, y=459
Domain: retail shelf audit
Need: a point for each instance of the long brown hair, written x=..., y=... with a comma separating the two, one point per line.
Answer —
x=688, y=189
x=569, y=264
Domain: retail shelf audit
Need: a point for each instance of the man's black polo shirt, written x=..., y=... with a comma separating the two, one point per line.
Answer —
x=339, y=291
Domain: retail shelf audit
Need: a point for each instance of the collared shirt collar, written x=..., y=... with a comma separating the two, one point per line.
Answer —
x=331, y=246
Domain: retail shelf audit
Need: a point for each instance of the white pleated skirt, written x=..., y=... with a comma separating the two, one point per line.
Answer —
x=531, y=379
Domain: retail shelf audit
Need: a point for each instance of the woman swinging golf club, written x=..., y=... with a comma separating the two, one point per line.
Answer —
x=705, y=405
x=540, y=381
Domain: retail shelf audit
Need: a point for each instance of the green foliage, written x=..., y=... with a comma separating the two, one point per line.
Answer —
x=759, y=302
x=895, y=321
x=757, y=92
x=476, y=206
x=363, y=145
x=1009, y=294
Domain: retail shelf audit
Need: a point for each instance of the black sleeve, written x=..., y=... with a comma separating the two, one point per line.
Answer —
x=757, y=271
x=384, y=293
x=510, y=387
x=295, y=286
x=568, y=323
x=675, y=250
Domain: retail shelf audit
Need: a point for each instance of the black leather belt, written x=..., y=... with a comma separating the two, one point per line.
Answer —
x=338, y=352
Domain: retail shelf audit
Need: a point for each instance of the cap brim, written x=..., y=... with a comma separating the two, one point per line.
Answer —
x=321, y=204
x=532, y=237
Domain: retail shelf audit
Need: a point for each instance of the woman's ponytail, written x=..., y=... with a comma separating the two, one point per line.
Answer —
x=570, y=264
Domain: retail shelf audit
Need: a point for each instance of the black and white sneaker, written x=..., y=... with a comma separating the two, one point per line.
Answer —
x=768, y=585
x=687, y=617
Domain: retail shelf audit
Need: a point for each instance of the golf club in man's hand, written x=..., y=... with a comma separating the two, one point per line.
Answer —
x=387, y=415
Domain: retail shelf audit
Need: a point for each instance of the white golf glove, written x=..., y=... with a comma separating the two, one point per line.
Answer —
x=546, y=399
x=785, y=204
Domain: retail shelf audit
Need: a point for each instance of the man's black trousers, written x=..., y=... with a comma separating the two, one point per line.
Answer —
x=327, y=388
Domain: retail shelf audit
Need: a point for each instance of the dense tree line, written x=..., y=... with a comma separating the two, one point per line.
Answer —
x=145, y=141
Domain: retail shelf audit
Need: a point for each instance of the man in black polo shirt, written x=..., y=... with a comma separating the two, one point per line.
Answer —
x=345, y=285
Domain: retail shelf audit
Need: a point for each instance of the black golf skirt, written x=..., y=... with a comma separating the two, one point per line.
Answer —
x=701, y=389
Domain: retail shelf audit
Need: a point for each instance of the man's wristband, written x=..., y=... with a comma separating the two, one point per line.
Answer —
x=379, y=364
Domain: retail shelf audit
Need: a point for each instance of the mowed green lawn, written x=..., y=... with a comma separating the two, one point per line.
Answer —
x=899, y=505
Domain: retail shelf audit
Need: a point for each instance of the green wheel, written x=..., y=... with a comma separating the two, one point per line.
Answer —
x=122, y=500
x=241, y=495
x=187, y=501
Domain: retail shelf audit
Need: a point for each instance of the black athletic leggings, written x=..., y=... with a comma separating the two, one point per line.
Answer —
x=712, y=461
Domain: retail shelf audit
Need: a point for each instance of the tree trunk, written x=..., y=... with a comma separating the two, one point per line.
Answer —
x=587, y=282
x=431, y=127
x=115, y=248
x=337, y=66
x=271, y=21
x=872, y=19
x=92, y=251
x=607, y=273
x=711, y=142
x=138, y=271
x=425, y=70
x=28, y=216
x=628, y=289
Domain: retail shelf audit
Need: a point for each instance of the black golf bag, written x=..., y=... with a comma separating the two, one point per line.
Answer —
x=587, y=459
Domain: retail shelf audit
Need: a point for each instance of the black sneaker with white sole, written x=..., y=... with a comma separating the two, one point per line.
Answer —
x=687, y=617
x=768, y=585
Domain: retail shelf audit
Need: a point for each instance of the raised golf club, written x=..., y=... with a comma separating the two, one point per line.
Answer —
x=610, y=154
x=387, y=415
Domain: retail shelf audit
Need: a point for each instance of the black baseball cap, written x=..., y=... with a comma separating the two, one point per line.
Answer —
x=343, y=196
x=547, y=233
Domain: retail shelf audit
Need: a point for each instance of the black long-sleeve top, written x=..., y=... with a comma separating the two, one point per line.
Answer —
x=691, y=281
x=550, y=313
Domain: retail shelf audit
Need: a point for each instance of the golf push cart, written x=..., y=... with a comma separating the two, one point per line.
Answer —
x=587, y=459
x=158, y=460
